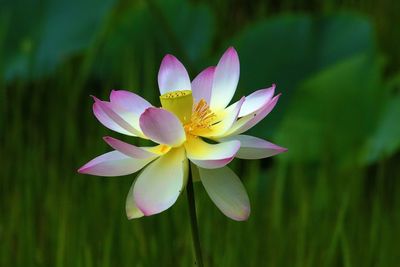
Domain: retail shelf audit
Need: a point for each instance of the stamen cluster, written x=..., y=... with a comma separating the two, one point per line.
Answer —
x=202, y=117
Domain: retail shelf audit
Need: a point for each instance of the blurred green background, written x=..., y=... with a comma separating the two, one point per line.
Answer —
x=331, y=200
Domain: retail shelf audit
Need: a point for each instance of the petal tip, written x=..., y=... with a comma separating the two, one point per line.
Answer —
x=243, y=217
x=108, y=139
x=272, y=88
x=231, y=50
x=131, y=217
x=95, y=98
x=282, y=150
x=232, y=53
x=82, y=169
x=168, y=58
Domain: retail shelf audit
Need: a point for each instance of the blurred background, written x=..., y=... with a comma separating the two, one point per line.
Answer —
x=331, y=200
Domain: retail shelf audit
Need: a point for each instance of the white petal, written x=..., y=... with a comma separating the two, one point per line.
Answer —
x=255, y=148
x=247, y=122
x=210, y=156
x=132, y=211
x=227, y=192
x=107, y=121
x=129, y=107
x=129, y=149
x=129, y=101
x=256, y=100
x=114, y=163
x=226, y=78
x=106, y=113
x=172, y=75
x=202, y=85
x=159, y=185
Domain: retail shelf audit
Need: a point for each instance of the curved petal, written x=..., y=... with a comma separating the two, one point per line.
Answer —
x=129, y=107
x=129, y=101
x=107, y=121
x=226, y=78
x=210, y=156
x=114, y=163
x=129, y=149
x=105, y=113
x=202, y=85
x=159, y=185
x=247, y=122
x=256, y=100
x=131, y=209
x=162, y=127
x=255, y=148
x=172, y=75
x=229, y=117
x=227, y=192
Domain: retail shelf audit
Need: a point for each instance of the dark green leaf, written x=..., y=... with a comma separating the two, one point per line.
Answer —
x=288, y=49
x=332, y=114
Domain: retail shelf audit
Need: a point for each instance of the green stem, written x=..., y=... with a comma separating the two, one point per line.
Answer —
x=193, y=220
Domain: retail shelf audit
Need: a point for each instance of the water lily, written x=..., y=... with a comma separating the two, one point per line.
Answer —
x=194, y=123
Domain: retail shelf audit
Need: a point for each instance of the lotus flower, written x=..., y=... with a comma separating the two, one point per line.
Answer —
x=196, y=124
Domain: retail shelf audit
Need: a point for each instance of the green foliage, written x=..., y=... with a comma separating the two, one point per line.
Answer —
x=334, y=112
x=159, y=26
x=61, y=28
x=288, y=49
x=385, y=140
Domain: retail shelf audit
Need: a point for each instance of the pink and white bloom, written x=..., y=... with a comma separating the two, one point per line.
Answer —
x=194, y=123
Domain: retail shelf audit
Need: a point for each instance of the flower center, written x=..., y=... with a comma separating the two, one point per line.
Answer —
x=180, y=103
x=196, y=119
x=202, y=118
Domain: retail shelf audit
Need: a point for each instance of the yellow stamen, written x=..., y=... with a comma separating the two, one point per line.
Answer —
x=202, y=118
x=180, y=103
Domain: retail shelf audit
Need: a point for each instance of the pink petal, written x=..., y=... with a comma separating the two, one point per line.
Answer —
x=162, y=127
x=172, y=75
x=105, y=114
x=227, y=192
x=256, y=100
x=255, y=148
x=114, y=163
x=129, y=102
x=226, y=78
x=210, y=156
x=128, y=149
x=107, y=121
x=202, y=85
x=247, y=122
x=159, y=185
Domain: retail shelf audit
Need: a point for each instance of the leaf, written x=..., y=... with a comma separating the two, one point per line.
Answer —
x=288, y=49
x=49, y=33
x=194, y=37
x=333, y=113
x=174, y=26
x=385, y=140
